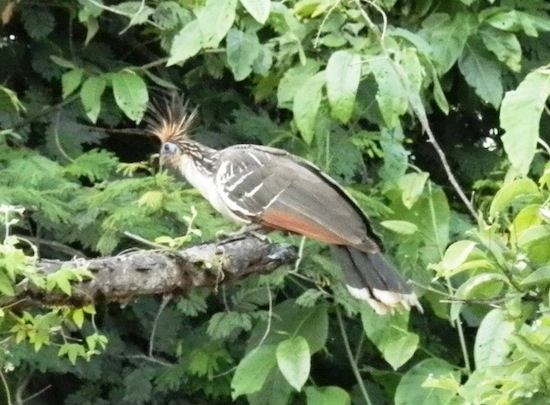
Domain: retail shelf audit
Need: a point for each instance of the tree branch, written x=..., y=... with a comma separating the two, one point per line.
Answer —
x=147, y=272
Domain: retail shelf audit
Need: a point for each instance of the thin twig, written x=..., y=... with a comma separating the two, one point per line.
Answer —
x=165, y=301
x=420, y=115
x=352, y=363
x=143, y=240
x=6, y=387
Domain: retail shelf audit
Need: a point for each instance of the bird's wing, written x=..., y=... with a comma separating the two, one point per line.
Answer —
x=279, y=190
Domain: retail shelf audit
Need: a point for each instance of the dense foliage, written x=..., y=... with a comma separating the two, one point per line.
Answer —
x=408, y=103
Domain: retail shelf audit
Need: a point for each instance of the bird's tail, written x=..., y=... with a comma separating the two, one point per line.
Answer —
x=370, y=277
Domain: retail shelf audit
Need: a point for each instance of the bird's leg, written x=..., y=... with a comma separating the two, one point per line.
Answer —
x=248, y=229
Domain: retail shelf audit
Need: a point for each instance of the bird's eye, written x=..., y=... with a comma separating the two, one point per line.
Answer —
x=169, y=148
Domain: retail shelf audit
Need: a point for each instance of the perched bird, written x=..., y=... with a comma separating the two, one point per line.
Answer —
x=273, y=188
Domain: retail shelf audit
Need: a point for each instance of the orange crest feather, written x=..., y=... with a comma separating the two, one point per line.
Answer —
x=170, y=120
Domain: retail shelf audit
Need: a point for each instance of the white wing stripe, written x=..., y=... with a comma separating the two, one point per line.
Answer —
x=255, y=158
x=253, y=191
x=239, y=181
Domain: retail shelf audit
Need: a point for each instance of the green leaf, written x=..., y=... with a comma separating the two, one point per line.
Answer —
x=242, y=50
x=215, y=19
x=38, y=22
x=131, y=94
x=6, y=286
x=401, y=227
x=456, y=254
x=412, y=186
x=306, y=104
x=520, y=118
x=70, y=81
x=292, y=320
x=72, y=351
x=223, y=324
x=259, y=9
x=275, y=391
x=90, y=96
x=78, y=317
x=187, y=43
x=292, y=80
x=481, y=72
x=447, y=37
x=509, y=192
x=327, y=396
x=391, y=96
x=137, y=11
x=253, y=370
x=390, y=335
x=492, y=344
x=539, y=277
x=342, y=74
x=504, y=45
x=293, y=358
x=411, y=389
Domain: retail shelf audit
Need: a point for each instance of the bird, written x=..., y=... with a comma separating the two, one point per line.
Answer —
x=254, y=184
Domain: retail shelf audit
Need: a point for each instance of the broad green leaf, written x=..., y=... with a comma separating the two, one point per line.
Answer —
x=6, y=286
x=242, y=50
x=78, y=317
x=509, y=192
x=186, y=43
x=292, y=80
x=482, y=286
x=456, y=254
x=540, y=276
x=90, y=96
x=411, y=389
x=306, y=104
x=259, y=9
x=412, y=186
x=391, y=96
x=401, y=227
x=290, y=319
x=492, y=344
x=504, y=45
x=294, y=361
x=253, y=370
x=131, y=94
x=447, y=37
x=70, y=81
x=63, y=62
x=343, y=73
x=481, y=72
x=528, y=217
x=275, y=391
x=327, y=396
x=535, y=241
x=520, y=118
x=390, y=335
x=137, y=11
x=215, y=19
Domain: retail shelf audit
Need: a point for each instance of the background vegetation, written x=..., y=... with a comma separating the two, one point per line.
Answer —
x=433, y=112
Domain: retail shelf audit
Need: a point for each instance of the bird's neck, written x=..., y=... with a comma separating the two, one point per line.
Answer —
x=202, y=157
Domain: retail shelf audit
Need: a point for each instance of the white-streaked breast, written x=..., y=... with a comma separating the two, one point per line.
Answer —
x=207, y=187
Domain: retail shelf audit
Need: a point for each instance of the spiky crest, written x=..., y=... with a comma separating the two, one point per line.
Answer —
x=170, y=119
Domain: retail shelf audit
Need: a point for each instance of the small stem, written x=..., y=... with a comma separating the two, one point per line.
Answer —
x=6, y=388
x=351, y=359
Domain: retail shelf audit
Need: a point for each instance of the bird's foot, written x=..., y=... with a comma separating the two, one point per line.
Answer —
x=249, y=229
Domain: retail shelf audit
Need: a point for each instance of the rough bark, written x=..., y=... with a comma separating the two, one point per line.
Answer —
x=147, y=272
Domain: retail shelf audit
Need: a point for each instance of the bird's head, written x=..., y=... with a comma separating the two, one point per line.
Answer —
x=170, y=121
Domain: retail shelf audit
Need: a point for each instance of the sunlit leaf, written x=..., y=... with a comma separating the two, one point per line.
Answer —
x=293, y=358
x=520, y=117
x=342, y=79
x=253, y=370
